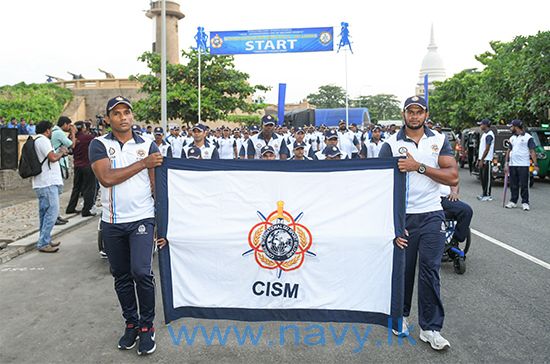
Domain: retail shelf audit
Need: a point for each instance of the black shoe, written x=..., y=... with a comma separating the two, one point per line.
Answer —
x=129, y=339
x=85, y=214
x=73, y=211
x=147, y=343
x=61, y=221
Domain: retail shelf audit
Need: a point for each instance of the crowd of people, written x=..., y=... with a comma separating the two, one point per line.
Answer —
x=123, y=161
x=295, y=143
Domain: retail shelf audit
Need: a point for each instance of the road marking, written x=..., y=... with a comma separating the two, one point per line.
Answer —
x=512, y=249
x=22, y=269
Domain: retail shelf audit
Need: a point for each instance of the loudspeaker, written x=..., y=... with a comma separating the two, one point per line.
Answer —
x=8, y=148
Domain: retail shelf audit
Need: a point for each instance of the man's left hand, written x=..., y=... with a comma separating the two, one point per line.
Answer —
x=408, y=164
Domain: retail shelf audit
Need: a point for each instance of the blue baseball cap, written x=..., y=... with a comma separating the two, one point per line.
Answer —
x=484, y=122
x=201, y=127
x=158, y=131
x=267, y=149
x=117, y=100
x=254, y=128
x=194, y=153
x=516, y=122
x=331, y=133
x=300, y=130
x=298, y=145
x=268, y=119
x=332, y=151
x=415, y=100
x=136, y=128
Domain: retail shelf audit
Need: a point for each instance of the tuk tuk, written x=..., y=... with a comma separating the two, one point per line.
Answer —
x=541, y=136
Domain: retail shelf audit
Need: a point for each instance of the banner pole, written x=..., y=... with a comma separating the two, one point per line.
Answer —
x=199, y=86
x=346, y=70
x=163, y=111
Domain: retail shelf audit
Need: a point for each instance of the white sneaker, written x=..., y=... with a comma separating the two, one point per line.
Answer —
x=489, y=198
x=404, y=329
x=511, y=205
x=525, y=206
x=480, y=197
x=437, y=342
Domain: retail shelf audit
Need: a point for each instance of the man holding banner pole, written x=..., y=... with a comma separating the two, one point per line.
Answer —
x=428, y=160
x=124, y=163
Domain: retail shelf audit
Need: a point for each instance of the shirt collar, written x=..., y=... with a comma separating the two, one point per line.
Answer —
x=206, y=143
x=273, y=136
x=402, y=136
x=136, y=137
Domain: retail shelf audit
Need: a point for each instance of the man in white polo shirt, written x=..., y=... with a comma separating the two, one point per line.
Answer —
x=486, y=152
x=124, y=163
x=429, y=162
x=518, y=160
x=267, y=137
x=208, y=150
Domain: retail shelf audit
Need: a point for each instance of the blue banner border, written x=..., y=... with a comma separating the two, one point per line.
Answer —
x=247, y=314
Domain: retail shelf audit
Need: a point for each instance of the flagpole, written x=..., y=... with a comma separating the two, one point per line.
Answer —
x=163, y=113
x=346, y=70
x=199, y=111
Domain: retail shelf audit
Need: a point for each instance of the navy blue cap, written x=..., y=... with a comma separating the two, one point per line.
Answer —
x=266, y=149
x=331, y=133
x=516, y=122
x=194, y=153
x=254, y=128
x=484, y=122
x=300, y=130
x=201, y=127
x=415, y=100
x=298, y=145
x=437, y=125
x=117, y=100
x=376, y=127
x=135, y=127
x=158, y=130
x=332, y=151
x=342, y=121
x=268, y=119
x=429, y=121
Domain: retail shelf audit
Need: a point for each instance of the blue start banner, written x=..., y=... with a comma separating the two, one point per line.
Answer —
x=261, y=240
x=272, y=41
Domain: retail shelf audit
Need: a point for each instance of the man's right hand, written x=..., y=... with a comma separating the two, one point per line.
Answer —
x=153, y=160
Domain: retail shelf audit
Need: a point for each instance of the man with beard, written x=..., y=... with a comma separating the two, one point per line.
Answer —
x=267, y=138
x=429, y=162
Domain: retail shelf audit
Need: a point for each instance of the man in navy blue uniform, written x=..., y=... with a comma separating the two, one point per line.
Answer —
x=428, y=162
x=124, y=163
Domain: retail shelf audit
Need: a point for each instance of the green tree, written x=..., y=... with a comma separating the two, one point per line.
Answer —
x=457, y=102
x=515, y=83
x=381, y=106
x=224, y=89
x=328, y=97
x=33, y=102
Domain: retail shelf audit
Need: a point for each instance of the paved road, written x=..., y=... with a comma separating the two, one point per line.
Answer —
x=62, y=308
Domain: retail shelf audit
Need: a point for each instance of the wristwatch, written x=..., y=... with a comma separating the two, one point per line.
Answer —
x=421, y=168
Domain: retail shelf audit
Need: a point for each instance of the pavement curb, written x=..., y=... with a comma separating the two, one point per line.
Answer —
x=28, y=243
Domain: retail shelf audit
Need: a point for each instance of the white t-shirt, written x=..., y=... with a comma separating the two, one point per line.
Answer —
x=51, y=172
x=488, y=137
x=519, y=150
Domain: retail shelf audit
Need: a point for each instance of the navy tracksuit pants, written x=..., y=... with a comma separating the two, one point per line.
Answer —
x=129, y=247
x=462, y=213
x=519, y=178
x=426, y=244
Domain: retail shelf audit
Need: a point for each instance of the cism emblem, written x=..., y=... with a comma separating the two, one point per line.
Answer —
x=279, y=241
x=216, y=41
x=402, y=150
x=141, y=153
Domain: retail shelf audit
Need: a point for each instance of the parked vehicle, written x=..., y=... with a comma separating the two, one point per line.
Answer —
x=542, y=140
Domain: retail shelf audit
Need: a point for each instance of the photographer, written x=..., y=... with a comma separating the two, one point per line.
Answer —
x=84, y=181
